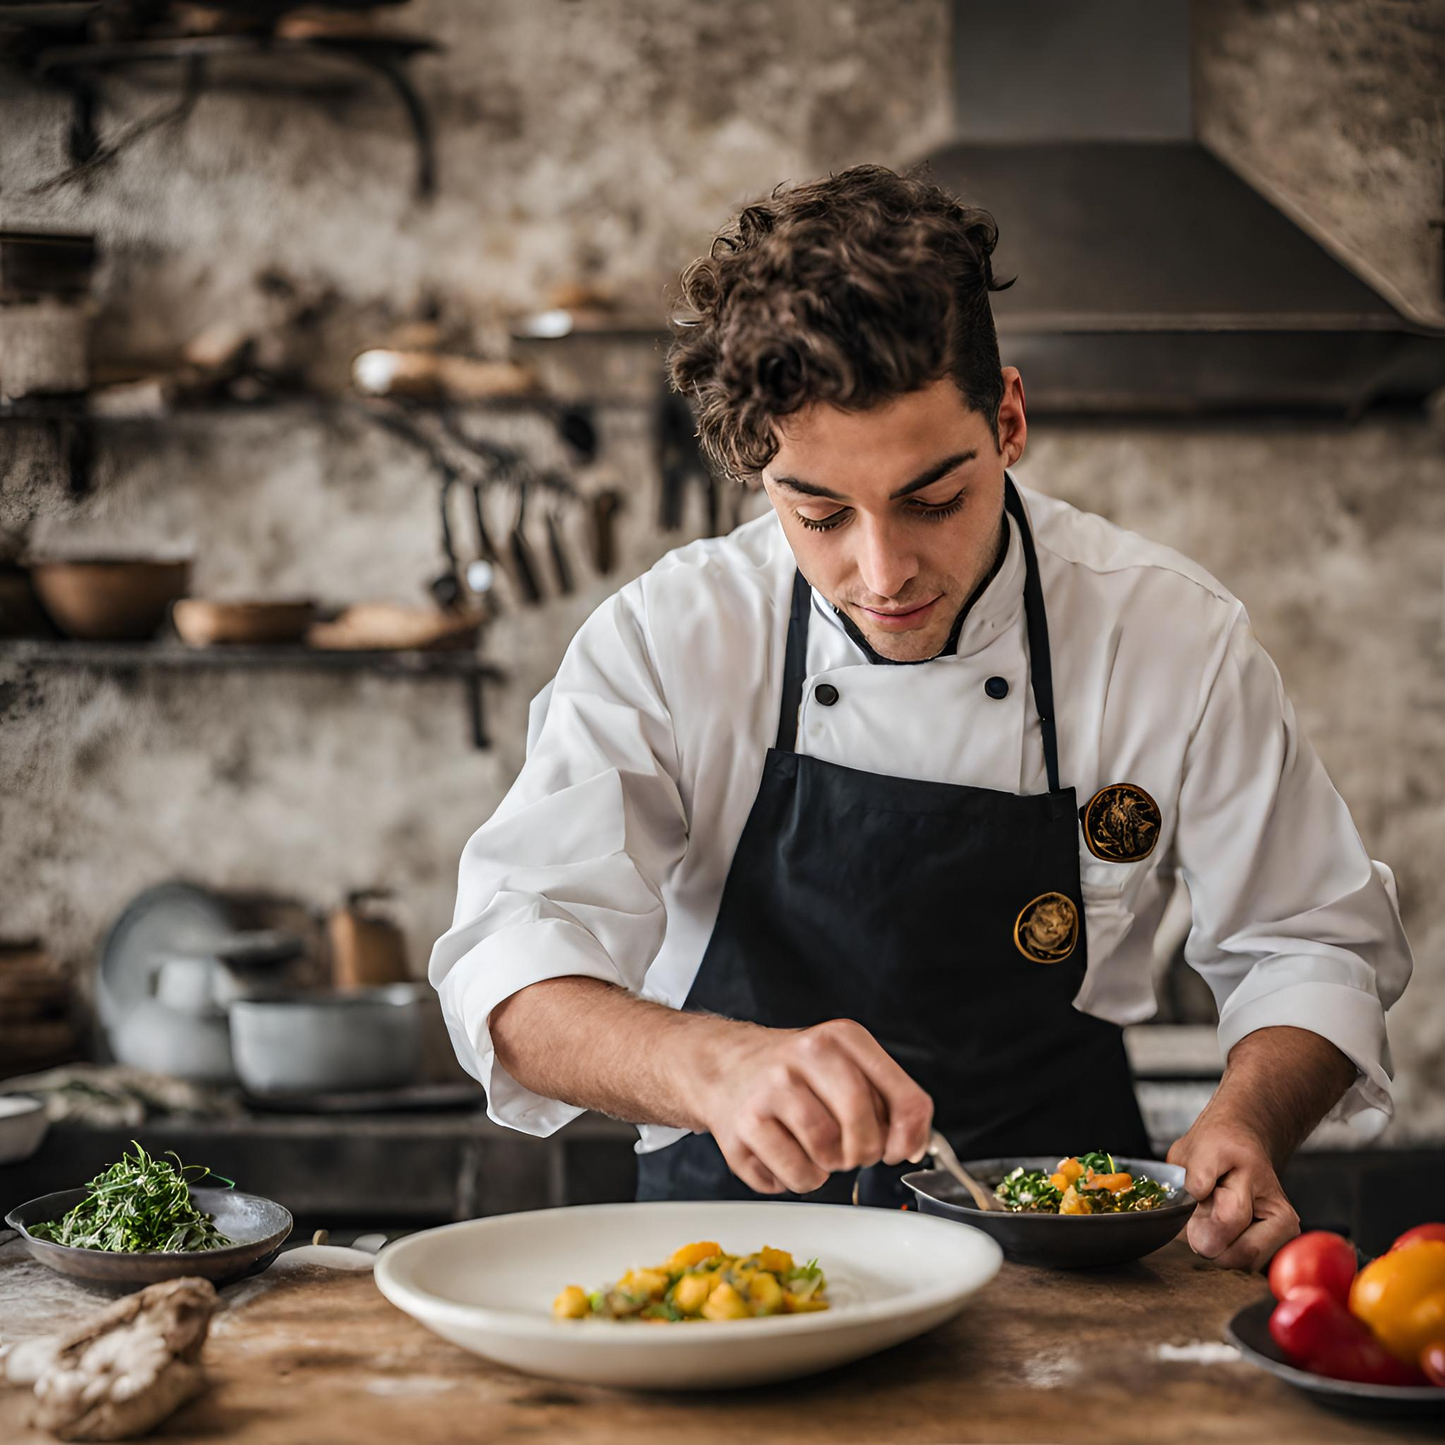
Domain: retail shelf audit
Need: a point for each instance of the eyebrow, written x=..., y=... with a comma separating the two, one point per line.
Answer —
x=924, y=479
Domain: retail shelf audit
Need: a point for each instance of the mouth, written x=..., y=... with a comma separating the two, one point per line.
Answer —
x=898, y=621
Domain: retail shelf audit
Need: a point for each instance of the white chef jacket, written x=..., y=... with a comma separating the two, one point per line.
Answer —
x=607, y=857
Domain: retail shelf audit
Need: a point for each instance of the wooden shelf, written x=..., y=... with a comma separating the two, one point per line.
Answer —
x=132, y=656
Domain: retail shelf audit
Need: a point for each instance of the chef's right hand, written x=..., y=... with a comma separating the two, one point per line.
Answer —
x=788, y=1107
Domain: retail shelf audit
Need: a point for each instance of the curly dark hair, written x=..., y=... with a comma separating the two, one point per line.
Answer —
x=849, y=290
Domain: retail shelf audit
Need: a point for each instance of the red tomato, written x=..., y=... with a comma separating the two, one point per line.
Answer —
x=1420, y=1231
x=1432, y=1361
x=1317, y=1333
x=1366, y=1361
x=1310, y=1322
x=1318, y=1260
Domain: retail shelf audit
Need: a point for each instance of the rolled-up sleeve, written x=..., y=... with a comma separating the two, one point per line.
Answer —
x=1292, y=921
x=565, y=878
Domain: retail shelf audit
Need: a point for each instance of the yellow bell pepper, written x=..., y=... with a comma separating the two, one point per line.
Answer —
x=1401, y=1296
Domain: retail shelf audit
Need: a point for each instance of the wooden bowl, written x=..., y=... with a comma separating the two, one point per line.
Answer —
x=109, y=600
x=387, y=627
x=204, y=624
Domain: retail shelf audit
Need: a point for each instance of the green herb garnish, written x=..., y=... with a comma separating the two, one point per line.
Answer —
x=1029, y=1192
x=139, y=1206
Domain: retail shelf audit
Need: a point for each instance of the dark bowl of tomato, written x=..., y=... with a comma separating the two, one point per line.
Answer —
x=1249, y=1333
x=1060, y=1241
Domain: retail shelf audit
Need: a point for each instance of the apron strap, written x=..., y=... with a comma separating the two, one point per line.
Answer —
x=1040, y=666
x=795, y=664
x=795, y=661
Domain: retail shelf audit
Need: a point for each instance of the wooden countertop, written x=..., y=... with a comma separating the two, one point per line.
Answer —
x=1131, y=1356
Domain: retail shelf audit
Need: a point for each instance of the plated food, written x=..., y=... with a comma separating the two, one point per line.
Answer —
x=1081, y=1184
x=702, y=1282
x=488, y=1285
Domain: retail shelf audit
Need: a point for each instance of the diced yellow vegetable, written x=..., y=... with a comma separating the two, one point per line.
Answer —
x=571, y=1304
x=797, y=1305
x=1074, y=1203
x=651, y=1282
x=766, y=1293
x=691, y=1254
x=725, y=1303
x=692, y=1291
x=775, y=1261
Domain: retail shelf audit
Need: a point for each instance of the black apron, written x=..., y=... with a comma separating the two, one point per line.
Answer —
x=947, y=920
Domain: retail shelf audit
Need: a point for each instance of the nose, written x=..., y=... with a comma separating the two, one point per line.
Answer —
x=886, y=563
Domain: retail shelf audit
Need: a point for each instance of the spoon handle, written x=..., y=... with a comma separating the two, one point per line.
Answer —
x=941, y=1151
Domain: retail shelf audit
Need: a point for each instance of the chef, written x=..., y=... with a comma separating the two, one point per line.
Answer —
x=860, y=821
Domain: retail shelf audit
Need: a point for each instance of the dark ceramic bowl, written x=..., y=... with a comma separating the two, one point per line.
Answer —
x=1248, y=1332
x=259, y=1227
x=1061, y=1241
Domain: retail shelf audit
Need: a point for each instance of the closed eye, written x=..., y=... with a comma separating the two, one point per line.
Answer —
x=929, y=511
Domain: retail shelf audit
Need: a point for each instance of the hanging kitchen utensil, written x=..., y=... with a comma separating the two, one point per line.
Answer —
x=524, y=565
x=446, y=587
x=602, y=510
x=484, y=574
x=561, y=566
x=576, y=427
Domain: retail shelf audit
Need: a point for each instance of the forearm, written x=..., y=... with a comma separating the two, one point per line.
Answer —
x=595, y=1046
x=1278, y=1084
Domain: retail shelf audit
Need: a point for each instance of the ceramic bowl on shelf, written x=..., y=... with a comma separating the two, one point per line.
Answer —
x=109, y=599
x=203, y=623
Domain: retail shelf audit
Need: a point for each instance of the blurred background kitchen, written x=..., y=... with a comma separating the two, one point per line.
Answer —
x=335, y=332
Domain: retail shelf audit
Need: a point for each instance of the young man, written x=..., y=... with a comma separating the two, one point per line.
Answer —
x=859, y=821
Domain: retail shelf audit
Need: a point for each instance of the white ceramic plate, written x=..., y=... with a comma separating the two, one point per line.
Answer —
x=488, y=1285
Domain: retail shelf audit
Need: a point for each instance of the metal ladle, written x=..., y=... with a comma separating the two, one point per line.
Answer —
x=941, y=1152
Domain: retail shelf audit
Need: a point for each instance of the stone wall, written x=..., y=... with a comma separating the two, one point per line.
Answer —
x=603, y=142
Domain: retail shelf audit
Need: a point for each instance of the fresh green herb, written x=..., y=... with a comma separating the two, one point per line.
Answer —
x=1029, y=1192
x=1098, y=1161
x=139, y=1206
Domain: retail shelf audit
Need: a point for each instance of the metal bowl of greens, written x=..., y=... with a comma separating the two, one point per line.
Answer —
x=1030, y=1230
x=143, y=1220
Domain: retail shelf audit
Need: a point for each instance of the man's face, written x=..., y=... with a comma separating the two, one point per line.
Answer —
x=894, y=514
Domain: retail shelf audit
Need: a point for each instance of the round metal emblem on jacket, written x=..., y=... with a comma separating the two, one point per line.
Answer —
x=1121, y=823
x=1048, y=928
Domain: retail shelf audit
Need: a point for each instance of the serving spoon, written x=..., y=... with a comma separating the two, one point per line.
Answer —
x=941, y=1152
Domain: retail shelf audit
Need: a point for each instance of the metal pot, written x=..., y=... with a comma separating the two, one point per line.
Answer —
x=328, y=1043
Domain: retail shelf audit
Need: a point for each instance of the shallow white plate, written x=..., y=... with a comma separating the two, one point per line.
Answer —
x=488, y=1285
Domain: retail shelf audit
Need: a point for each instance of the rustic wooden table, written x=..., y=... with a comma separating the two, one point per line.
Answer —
x=306, y=1356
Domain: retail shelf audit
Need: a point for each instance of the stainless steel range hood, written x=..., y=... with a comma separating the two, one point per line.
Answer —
x=1151, y=278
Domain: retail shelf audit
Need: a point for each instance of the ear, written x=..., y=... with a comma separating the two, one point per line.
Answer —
x=1013, y=426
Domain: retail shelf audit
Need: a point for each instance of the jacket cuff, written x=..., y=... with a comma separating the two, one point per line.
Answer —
x=1352, y=1019
x=492, y=972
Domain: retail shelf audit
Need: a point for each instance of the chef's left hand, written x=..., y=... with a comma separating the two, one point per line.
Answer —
x=1243, y=1215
